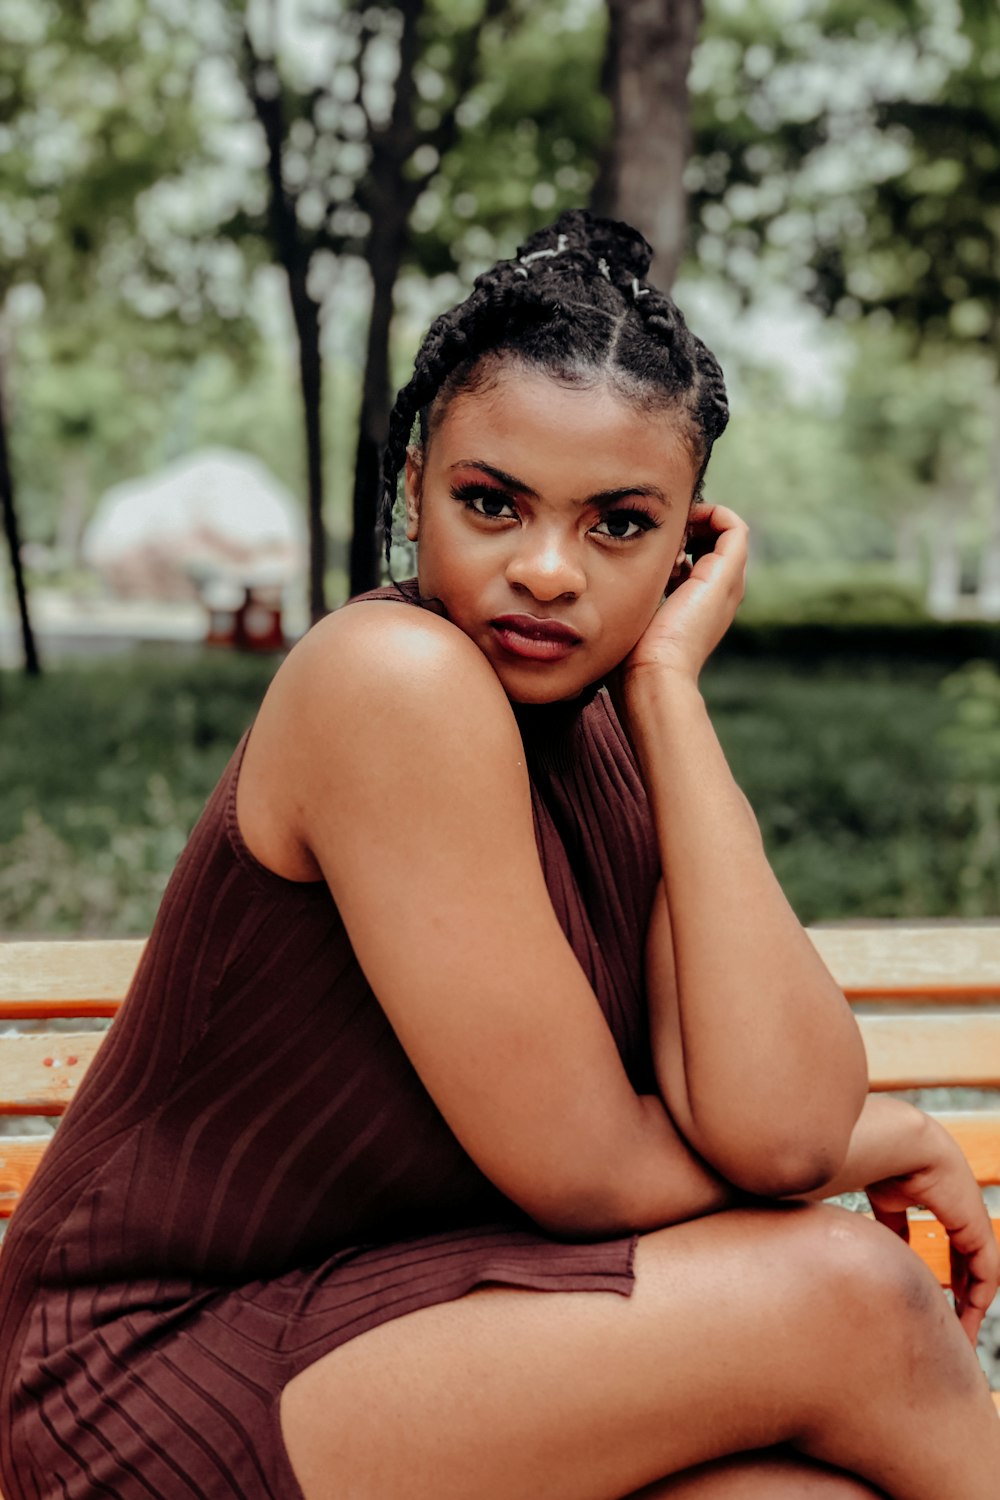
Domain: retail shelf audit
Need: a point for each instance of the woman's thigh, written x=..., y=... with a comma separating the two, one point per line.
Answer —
x=744, y=1331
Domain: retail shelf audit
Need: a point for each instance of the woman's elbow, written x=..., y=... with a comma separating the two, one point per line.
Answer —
x=803, y=1157
x=794, y=1162
x=788, y=1173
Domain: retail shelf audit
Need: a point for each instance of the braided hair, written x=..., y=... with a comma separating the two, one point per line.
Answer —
x=573, y=302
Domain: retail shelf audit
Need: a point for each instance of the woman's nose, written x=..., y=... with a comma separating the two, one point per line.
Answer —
x=547, y=566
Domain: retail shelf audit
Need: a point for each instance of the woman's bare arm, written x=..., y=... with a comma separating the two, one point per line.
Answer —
x=406, y=785
x=758, y=1056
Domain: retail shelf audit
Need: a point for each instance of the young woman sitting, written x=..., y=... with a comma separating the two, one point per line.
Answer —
x=460, y=1136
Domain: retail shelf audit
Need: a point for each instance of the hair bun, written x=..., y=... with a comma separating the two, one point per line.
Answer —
x=626, y=251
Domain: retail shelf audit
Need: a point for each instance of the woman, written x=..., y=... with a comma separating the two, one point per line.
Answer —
x=512, y=1227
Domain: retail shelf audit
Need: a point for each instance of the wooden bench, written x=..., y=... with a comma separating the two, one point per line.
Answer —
x=927, y=998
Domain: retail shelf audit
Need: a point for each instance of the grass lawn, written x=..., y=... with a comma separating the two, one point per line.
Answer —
x=104, y=768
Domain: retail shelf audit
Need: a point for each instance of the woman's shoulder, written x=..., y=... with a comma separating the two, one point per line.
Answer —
x=376, y=699
x=389, y=650
x=378, y=677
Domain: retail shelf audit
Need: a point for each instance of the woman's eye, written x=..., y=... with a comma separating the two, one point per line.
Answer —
x=623, y=525
x=493, y=504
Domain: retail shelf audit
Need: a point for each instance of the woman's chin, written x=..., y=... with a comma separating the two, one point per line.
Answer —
x=539, y=692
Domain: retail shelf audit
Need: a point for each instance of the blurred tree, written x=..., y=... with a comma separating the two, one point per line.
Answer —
x=530, y=133
x=429, y=134
x=647, y=61
x=855, y=148
x=856, y=152
x=354, y=128
x=972, y=742
x=12, y=533
x=89, y=120
x=918, y=422
x=103, y=393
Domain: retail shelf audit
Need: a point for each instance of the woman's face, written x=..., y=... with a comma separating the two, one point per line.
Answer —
x=549, y=522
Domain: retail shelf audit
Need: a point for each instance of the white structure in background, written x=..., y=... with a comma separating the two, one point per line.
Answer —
x=207, y=526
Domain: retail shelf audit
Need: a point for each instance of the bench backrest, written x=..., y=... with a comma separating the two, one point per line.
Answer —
x=927, y=998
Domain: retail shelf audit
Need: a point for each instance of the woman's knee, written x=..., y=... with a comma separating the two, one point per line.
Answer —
x=846, y=1258
x=865, y=1271
x=864, y=1290
x=835, y=1276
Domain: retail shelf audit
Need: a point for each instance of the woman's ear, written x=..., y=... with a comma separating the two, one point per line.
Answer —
x=413, y=481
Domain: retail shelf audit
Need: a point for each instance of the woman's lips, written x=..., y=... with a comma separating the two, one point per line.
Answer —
x=534, y=639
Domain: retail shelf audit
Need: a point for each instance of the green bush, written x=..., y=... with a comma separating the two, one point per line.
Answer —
x=867, y=595
x=848, y=778
x=105, y=768
x=971, y=741
x=867, y=779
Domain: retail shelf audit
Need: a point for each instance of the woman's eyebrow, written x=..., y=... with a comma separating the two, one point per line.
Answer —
x=602, y=497
x=627, y=491
x=507, y=480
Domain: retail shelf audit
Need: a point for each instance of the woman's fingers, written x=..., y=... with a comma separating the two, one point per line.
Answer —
x=894, y=1219
x=973, y=1252
x=718, y=543
x=971, y=1303
x=702, y=595
x=975, y=1271
x=716, y=528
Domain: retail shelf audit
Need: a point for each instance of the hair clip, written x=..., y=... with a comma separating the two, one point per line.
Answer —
x=604, y=268
x=637, y=290
x=561, y=244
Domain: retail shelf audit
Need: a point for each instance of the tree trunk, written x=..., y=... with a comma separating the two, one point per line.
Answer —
x=292, y=253
x=307, y=325
x=32, y=666
x=388, y=197
x=384, y=257
x=650, y=43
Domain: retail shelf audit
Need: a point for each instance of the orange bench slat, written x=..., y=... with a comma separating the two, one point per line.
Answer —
x=39, y=1074
x=914, y=1049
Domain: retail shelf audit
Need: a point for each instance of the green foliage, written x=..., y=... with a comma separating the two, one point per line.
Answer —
x=105, y=769
x=847, y=776
x=860, y=493
x=795, y=481
x=530, y=135
x=866, y=781
x=866, y=595
x=858, y=148
x=94, y=106
x=971, y=741
x=97, y=123
x=919, y=421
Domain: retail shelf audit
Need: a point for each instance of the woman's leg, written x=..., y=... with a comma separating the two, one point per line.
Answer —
x=775, y=1475
x=803, y=1325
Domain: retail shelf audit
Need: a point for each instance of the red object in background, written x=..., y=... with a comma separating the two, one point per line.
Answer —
x=253, y=625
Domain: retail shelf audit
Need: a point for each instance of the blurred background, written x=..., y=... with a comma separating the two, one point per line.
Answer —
x=224, y=225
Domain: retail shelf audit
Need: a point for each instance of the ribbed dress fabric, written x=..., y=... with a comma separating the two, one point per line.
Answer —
x=252, y=1172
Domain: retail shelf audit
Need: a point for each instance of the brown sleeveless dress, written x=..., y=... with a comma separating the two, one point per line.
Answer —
x=253, y=1173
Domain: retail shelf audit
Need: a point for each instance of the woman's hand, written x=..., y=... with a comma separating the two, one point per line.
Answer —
x=946, y=1186
x=701, y=601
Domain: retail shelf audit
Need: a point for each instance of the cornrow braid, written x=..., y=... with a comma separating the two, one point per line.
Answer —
x=573, y=302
